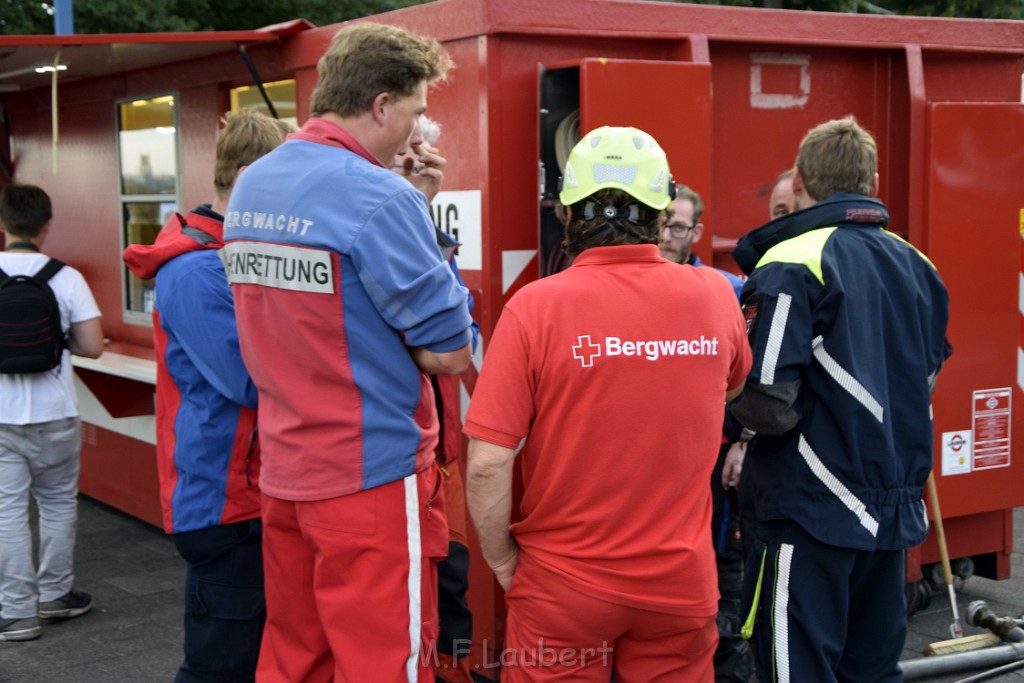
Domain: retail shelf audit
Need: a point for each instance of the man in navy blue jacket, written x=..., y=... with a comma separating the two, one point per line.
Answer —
x=847, y=325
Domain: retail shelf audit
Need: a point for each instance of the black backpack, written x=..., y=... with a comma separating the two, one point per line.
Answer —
x=31, y=338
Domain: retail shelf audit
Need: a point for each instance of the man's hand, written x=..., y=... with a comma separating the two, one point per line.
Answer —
x=506, y=569
x=424, y=168
x=733, y=465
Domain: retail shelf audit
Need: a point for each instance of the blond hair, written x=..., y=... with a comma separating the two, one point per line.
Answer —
x=365, y=60
x=247, y=135
x=837, y=156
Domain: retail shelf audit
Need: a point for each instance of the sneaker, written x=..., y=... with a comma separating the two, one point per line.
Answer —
x=20, y=629
x=74, y=604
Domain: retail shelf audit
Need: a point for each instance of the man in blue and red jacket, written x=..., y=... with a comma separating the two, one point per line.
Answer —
x=344, y=308
x=207, y=450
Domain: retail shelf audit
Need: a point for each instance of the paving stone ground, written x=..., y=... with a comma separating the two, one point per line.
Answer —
x=134, y=633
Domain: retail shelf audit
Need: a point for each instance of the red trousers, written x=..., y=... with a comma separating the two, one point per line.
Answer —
x=351, y=585
x=557, y=631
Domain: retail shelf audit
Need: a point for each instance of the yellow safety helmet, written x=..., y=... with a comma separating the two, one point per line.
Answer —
x=627, y=159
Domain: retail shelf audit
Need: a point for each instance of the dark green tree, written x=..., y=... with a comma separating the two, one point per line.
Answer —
x=244, y=14
x=19, y=17
x=977, y=9
x=140, y=16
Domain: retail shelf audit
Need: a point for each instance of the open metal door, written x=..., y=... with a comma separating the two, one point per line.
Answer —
x=669, y=100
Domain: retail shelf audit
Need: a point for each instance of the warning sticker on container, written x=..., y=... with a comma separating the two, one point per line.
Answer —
x=956, y=452
x=991, y=428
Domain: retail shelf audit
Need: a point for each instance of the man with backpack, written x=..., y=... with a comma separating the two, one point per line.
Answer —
x=44, y=321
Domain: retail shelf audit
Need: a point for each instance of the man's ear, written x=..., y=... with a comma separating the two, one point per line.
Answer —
x=380, y=107
x=801, y=196
x=564, y=214
x=798, y=181
x=698, y=230
x=874, y=186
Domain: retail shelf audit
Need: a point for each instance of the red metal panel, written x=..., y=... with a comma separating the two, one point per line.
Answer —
x=975, y=199
x=120, y=471
x=669, y=100
x=766, y=97
x=608, y=21
x=120, y=397
x=985, y=533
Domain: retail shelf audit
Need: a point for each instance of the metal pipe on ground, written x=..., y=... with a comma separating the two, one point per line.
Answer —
x=916, y=669
x=993, y=673
x=980, y=614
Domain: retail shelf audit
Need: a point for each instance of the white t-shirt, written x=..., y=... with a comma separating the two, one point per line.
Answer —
x=46, y=396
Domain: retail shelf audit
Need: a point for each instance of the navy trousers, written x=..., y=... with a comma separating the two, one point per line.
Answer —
x=224, y=605
x=733, y=660
x=456, y=620
x=823, y=613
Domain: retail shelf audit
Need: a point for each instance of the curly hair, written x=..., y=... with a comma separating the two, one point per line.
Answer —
x=582, y=233
x=365, y=60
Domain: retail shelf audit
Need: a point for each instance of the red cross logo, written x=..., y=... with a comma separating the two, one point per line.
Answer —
x=585, y=352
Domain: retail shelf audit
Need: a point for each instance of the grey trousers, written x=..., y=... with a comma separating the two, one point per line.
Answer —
x=38, y=460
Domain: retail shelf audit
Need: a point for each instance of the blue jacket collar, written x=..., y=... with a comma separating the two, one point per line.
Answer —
x=840, y=210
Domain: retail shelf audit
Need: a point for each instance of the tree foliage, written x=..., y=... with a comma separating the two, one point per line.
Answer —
x=141, y=16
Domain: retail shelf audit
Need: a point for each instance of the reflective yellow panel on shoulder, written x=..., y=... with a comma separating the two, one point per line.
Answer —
x=919, y=252
x=803, y=249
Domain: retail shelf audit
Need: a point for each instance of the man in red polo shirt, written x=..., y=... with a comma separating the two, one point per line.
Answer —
x=613, y=376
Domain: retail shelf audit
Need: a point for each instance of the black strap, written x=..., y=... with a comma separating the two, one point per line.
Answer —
x=48, y=271
x=22, y=245
x=44, y=274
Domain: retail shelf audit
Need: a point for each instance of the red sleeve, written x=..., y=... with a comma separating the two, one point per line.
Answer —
x=501, y=408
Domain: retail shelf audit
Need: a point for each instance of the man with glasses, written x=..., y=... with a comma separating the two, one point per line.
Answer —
x=682, y=228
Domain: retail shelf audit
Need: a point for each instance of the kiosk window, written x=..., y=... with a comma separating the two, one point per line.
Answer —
x=281, y=94
x=150, y=185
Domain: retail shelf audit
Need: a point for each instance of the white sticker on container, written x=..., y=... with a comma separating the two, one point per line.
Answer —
x=956, y=452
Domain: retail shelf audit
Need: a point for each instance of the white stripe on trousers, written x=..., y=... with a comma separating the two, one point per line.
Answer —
x=412, y=517
x=780, y=622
